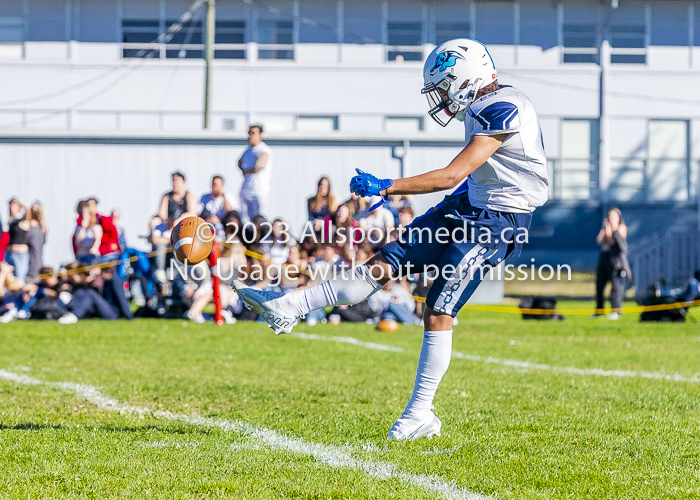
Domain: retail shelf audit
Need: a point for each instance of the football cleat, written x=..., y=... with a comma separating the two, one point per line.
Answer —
x=267, y=306
x=411, y=429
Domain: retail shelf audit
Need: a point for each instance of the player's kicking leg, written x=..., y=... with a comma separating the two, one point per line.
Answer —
x=283, y=310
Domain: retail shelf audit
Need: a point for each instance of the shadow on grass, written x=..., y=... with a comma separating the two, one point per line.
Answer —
x=30, y=426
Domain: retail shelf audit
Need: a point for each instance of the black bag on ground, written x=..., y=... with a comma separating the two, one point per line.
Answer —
x=540, y=302
x=657, y=294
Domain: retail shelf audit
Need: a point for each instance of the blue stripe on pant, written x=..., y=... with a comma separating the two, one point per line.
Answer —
x=463, y=267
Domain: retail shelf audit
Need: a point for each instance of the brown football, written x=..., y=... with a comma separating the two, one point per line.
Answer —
x=387, y=326
x=192, y=239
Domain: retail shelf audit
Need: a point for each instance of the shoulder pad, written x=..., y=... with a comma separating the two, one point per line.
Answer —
x=499, y=115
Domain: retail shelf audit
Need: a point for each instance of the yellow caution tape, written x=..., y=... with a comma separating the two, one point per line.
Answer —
x=472, y=307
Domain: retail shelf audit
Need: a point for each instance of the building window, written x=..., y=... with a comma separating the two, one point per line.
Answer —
x=230, y=40
x=575, y=174
x=11, y=30
x=494, y=22
x=404, y=40
x=450, y=31
x=317, y=123
x=275, y=39
x=628, y=44
x=139, y=37
x=185, y=43
x=403, y=124
x=667, y=169
x=580, y=43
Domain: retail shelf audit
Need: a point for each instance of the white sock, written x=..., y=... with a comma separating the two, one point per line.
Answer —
x=434, y=360
x=349, y=287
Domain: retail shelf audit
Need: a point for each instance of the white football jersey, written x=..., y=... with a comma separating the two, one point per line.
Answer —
x=515, y=178
x=257, y=184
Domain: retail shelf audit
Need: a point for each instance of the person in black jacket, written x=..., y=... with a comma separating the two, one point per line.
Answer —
x=613, y=265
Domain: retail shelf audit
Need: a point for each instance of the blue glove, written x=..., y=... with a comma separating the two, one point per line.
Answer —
x=366, y=185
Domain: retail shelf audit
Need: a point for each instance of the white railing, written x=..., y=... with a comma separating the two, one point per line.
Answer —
x=672, y=258
x=161, y=50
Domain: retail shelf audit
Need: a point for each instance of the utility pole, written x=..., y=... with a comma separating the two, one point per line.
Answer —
x=208, y=56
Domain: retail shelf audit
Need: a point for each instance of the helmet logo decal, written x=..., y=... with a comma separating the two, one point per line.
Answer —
x=445, y=60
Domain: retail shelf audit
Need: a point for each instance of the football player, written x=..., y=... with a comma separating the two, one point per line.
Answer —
x=501, y=177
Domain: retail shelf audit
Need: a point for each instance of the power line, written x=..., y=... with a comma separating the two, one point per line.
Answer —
x=146, y=54
x=595, y=90
x=164, y=37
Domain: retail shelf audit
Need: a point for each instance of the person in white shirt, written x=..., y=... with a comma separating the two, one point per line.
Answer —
x=256, y=164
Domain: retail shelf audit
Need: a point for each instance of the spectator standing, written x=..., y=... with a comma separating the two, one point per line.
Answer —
x=17, y=253
x=256, y=165
x=36, y=237
x=613, y=265
x=322, y=205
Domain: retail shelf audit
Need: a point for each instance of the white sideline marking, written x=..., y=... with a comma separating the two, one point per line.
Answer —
x=514, y=363
x=330, y=455
x=349, y=340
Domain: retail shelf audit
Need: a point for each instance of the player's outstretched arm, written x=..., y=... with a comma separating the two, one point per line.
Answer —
x=474, y=154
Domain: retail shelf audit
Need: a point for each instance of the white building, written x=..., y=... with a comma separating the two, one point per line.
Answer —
x=105, y=97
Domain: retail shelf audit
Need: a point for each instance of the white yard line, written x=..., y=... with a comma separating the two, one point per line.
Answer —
x=349, y=340
x=330, y=455
x=514, y=363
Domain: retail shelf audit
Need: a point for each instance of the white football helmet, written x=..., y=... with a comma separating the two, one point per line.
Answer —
x=459, y=68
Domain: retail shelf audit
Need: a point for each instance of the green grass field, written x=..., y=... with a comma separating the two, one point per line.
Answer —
x=307, y=417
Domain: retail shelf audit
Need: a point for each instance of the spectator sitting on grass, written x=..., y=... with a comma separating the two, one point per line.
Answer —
x=395, y=301
x=228, y=267
x=82, y=298
x=214, y=206
x=293, y=275
x=396, y=203
x=406, y=216
x=326, y=263
x=39, y=301
x=174, y=205
x=357, y=206
x=177, y=203
x=282, y=242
